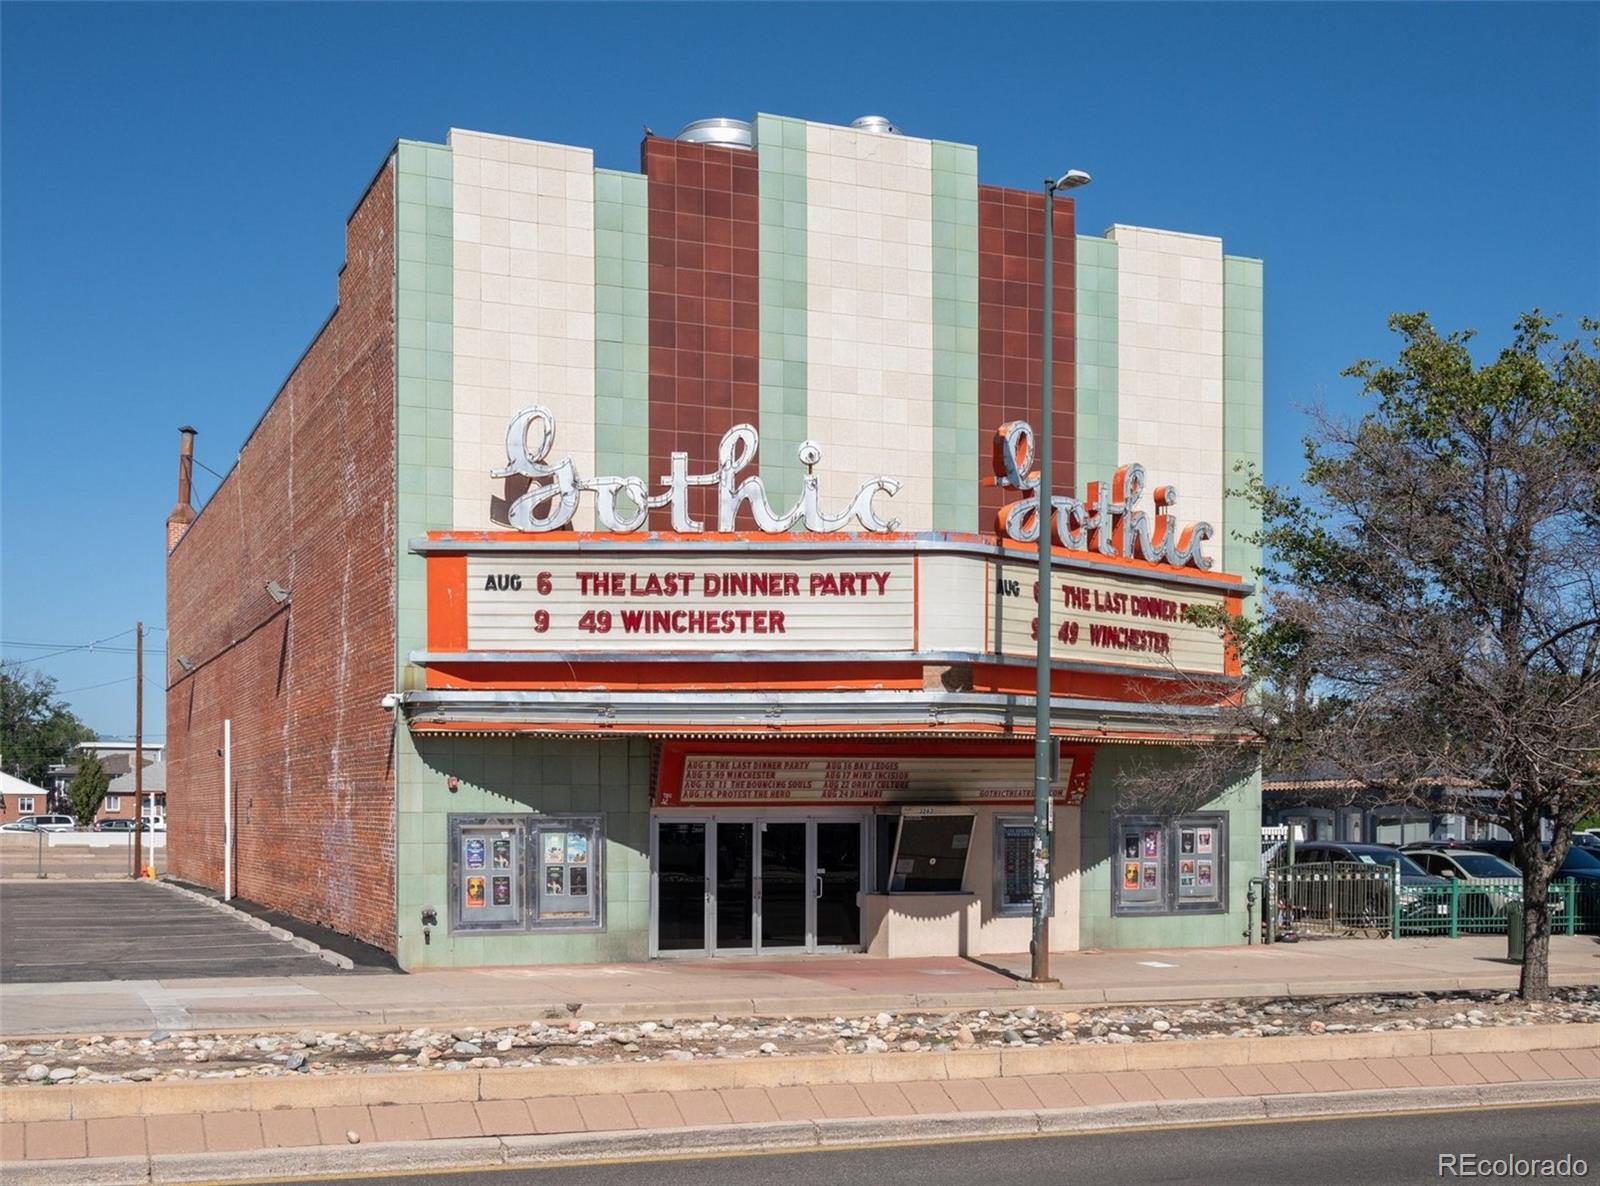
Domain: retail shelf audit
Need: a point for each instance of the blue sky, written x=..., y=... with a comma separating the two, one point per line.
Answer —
x=176, y=181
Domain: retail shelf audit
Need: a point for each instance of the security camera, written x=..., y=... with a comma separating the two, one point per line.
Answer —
x=390, y=702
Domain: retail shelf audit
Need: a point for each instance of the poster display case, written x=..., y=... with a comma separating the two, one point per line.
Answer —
x=1169, y=864
x=526, y=872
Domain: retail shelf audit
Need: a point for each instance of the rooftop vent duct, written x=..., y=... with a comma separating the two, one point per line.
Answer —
x=877, y=124
x=729, y=133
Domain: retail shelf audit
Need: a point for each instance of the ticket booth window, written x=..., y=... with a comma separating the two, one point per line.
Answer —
x=930, y=854
x=1169, y=865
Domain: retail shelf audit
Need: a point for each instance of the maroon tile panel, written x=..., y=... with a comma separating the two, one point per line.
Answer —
x=705, y=306
x=1011, y=329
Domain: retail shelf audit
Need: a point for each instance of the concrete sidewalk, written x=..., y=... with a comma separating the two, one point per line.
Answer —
x=811, y=986
x=169, y=1132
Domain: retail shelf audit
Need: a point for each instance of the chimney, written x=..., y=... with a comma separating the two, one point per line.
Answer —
x=183, y=514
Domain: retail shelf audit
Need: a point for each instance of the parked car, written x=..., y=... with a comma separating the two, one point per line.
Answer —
x=1581, y=865
x=1365, y=903
x=113, y=825
x=1471, y=868
x=1589, y=839
x=40, y=823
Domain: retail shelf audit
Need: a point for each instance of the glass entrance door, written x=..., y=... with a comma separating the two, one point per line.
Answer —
x=785, y=885
x=735, y=885
x=838, y=883
x=745, y=885
x=681, y=886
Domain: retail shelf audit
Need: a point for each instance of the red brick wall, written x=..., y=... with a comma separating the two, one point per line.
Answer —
x=705, y=306
x=309, y=504
x=1011, y=330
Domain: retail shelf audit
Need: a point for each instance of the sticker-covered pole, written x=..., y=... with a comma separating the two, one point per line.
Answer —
x=1046, y=528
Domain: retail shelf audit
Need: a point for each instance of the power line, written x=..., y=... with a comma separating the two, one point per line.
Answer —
x=91, y=687
x=62, y=648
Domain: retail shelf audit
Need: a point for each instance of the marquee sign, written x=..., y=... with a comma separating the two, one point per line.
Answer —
x=879, y=598
x=632, y=602
x=1103, y=618
x=757, y=777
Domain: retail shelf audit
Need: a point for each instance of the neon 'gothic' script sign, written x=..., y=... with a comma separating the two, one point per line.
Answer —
x=549, y=504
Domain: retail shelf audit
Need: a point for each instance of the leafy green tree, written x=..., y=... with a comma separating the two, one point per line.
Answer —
x=1433, y=609
x=87, y=790
x=36, y=730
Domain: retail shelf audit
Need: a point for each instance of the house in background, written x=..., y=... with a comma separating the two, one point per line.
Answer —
x=120, y=795
x=115, y=756
x=18, y=798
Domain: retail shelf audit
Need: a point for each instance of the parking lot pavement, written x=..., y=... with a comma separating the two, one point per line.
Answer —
x=75, y=931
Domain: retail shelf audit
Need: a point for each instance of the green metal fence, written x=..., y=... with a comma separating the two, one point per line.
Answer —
x=1355, y=899
x=1479, y=907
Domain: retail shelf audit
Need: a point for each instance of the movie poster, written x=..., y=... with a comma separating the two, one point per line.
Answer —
x=1152, y=842
x=555, y=880
x=577, y=848
x=1204, y=873
x=475, y=890
x=474, y=849
x=1149, y=877
x=1130, y=871
x=1202, y=841
x=578, y=881
x=1130, y=846
x=1186, y=841
x=501, y=888
x=502, y=853
x=554, y=846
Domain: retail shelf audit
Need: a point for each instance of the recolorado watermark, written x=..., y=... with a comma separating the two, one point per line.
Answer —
x=1476, y=1165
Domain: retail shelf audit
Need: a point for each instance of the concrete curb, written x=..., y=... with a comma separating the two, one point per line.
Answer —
x=102, y=1100
x=306, y=945
x=655, y=1144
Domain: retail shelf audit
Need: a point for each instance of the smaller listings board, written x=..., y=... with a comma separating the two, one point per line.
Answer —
x=760, y=777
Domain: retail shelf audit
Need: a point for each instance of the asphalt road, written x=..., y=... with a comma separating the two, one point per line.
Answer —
x=1381, y=1151
x=125, y=930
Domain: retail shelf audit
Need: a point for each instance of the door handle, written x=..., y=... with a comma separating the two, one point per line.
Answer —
x=820, y=872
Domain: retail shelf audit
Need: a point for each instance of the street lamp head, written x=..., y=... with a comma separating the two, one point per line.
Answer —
x=1071, y=179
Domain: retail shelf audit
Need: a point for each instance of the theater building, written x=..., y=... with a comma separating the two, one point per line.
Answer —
x=638, y=564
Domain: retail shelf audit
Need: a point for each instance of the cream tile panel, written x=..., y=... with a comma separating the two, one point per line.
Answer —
x=524, y=307
x=869, y=242
x=1169, y=359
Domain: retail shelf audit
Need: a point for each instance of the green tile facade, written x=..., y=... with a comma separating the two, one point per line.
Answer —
x=622, y=323
x=425, y=473
x=955, y=336
x=424, y=357
x=1242, y=402
x=781, y=150
x=1097, y=444
x=500, y=776
x=1097, y=926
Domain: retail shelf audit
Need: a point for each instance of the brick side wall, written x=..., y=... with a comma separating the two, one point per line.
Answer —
x=309, y=504
x=1010, y=331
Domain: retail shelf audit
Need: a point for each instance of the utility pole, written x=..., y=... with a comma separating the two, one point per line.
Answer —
x=138, y=751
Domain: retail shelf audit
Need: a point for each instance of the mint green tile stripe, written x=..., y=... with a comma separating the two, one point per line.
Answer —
x=955, y=337
x=1097, y=443
x=1242, y=397
x=781, y=150
x=622, y=323
x=424, y=354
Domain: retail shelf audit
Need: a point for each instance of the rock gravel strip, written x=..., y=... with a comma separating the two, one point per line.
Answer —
x=555, y=1041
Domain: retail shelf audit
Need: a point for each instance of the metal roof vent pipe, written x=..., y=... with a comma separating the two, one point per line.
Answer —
x=728, y=133
x=877, y=124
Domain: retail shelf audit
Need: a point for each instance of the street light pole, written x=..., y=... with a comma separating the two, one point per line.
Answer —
x=1045, y=517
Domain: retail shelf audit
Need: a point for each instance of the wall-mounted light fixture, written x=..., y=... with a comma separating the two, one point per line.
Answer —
x=277, y=592
x=185, y=662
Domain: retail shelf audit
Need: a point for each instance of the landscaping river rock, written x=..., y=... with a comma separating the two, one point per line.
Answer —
x=566, y=1042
